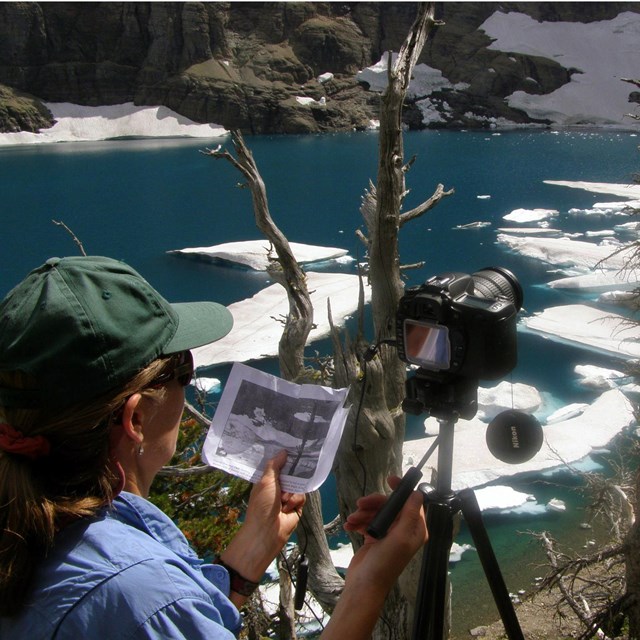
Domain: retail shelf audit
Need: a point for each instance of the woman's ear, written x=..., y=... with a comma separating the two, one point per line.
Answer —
x=132, y=418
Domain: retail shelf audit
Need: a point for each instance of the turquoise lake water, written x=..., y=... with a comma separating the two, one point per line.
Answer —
x=137, y=199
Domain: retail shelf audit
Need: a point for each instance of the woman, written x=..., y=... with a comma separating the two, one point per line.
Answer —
x=93, y=365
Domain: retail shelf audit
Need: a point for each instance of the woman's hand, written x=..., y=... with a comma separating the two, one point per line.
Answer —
x=272, y=515
x=383, y=560
x=271, y=512
x=376, y=565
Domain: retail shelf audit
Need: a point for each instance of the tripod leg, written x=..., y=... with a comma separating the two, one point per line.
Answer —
x=473, y=517
x=431, y=601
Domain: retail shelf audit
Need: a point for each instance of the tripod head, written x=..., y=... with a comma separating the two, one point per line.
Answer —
x=444, y=397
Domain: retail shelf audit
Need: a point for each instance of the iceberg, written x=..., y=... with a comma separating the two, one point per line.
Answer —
x=258, y=254
x=257, y=325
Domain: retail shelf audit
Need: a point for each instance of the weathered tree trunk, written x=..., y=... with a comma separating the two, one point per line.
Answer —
x=371, y=448
x=298, y=324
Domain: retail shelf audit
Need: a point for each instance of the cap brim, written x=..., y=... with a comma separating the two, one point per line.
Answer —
x=199, y=323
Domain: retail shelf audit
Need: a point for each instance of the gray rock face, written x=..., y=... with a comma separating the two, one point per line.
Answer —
x=242, y=65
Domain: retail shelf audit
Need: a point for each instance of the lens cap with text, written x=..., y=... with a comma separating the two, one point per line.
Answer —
x=514, y=436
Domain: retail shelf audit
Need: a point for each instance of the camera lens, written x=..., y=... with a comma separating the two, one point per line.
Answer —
x=492, y=282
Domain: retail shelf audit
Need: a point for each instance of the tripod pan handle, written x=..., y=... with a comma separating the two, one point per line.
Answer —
x=391, y=508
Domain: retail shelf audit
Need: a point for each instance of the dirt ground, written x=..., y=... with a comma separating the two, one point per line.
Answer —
x=538, y=620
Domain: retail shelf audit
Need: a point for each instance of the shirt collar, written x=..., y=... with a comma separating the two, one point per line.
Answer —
x=145, y=516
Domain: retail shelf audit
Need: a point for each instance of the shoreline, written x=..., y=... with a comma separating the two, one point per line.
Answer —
x=78, y=123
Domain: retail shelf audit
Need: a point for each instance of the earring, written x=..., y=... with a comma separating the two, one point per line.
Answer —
x=140, y=449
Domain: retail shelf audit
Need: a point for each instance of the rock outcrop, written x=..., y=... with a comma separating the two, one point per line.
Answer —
x=259, y=66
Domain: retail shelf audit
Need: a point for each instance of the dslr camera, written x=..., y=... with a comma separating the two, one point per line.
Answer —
x=458, y=326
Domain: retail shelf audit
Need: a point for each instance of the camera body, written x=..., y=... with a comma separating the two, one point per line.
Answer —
x=463, y=325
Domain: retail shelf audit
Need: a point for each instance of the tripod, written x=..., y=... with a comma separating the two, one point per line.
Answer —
x=441, y=505
x=446, y=401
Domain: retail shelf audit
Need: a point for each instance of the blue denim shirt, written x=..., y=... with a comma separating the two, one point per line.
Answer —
x=129, y=573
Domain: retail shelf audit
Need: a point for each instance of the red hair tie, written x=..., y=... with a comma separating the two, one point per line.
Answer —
x=13, y=441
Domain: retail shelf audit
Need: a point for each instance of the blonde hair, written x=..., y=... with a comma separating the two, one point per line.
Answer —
x=76, y=480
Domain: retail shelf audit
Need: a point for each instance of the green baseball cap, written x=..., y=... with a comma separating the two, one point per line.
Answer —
x=84, y=325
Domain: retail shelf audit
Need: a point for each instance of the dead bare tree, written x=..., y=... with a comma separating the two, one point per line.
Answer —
x=371, y=448
x=325, y=583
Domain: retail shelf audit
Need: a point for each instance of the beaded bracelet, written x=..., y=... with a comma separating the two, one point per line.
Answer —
x=239, y=583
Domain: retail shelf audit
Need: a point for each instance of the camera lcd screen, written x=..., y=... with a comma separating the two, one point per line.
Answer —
x=427, y=345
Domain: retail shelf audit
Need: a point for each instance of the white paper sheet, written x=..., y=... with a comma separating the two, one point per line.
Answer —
x=260, y=414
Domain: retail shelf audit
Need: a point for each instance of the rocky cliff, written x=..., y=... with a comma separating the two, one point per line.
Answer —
x=246, y=65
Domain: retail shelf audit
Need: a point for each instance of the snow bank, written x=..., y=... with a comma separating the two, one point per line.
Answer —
x=595, y=93
x=424, y=80
x=75, y=123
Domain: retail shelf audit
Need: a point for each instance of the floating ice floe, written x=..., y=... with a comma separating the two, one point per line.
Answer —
x=555, y=504
x=258, y=254
x=628, y=299
x=257, y=328
x=599, y=281
x=207, y=385
x=629, y=191
x=493, y=400
x=601, y=331
x=567, y=441
x=457, y=550
x=500, y=498
x=627, y=227
x=566, y=252
x=530, y=215
x=600, y=378
x=531, y=231
x=473, y=225
x=565, y=413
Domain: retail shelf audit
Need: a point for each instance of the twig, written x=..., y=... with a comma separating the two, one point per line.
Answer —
x=73, y=235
